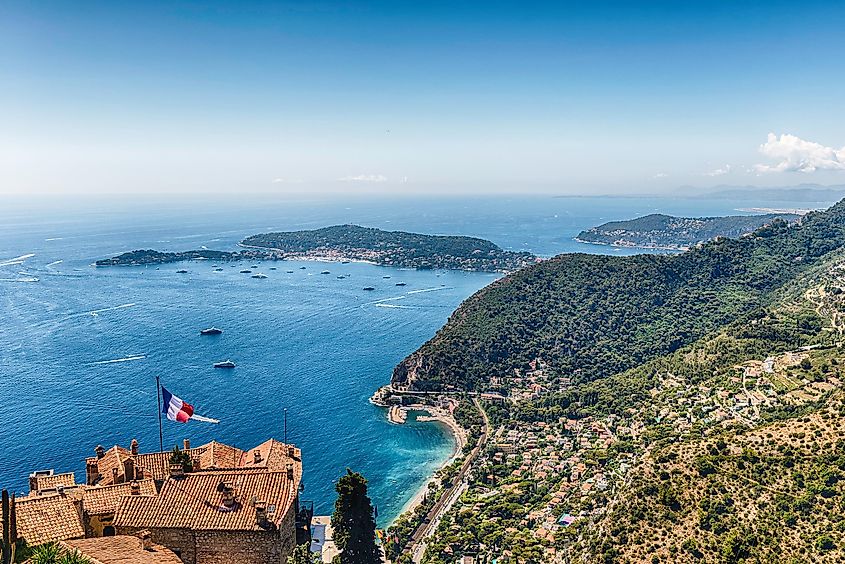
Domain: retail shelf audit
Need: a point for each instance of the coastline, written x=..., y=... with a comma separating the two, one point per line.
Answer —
x=678, y=248
x=459, y=436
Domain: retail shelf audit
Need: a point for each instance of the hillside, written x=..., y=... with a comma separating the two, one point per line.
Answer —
x=658, y=231
x=727, y=450
x=589, y=316
x=393, y=248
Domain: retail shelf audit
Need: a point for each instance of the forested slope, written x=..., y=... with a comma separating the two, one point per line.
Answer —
x=590, y=316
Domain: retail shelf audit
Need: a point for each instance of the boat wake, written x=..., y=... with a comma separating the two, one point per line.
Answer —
x=96, y=312
x=124, y=359
x=16, y=260
x=395, y=306
x=430, y=290
x=24, y=279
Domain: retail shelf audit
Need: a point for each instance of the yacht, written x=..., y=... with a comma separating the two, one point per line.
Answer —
x=259, y=275
x=224, y=364
x=211, y=331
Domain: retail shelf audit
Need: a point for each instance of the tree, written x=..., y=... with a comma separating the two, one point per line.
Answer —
x=301, y=555
x=52, y=553
x=353, y=522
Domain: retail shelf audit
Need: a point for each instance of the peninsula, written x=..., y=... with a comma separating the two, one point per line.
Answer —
x=658, y=231
x=352, y=243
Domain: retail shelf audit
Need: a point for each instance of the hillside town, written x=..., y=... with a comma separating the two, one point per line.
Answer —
x=207, y=504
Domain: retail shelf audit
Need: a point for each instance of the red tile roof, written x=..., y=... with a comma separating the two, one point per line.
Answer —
x=122, y=550
x=43, y=482
x=102, y=500
x=194, y=501
x=51, y=517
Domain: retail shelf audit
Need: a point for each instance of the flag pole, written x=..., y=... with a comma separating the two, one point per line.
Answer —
x=286, y=425
x=158, y=402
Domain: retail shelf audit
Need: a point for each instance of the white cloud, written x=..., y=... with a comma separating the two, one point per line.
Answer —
x=364, y=178
x=793, y=154
x=286, y=181
x=661, y=175
x=719, y=171
x=278, y=181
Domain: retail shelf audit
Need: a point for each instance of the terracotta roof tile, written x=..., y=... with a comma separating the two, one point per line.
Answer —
x=52, y=517
x=43, y=482
x=122, y=550
x=220, y=456
x=100, y=500
x=195, y=502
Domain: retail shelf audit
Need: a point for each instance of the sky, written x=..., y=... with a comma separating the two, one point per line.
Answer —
x=422, y=97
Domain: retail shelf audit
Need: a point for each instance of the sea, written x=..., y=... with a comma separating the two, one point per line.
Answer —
x=81, y=346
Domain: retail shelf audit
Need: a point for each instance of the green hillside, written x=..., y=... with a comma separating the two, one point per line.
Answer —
x=589, y=316
x=668, y=232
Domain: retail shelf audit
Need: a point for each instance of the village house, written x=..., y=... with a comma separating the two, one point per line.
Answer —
x=215, y=504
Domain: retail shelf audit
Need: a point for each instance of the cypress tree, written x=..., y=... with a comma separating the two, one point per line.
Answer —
x=353, y=523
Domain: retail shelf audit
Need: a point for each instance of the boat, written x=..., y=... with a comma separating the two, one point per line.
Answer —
x=246, y=271
x=368, y=288
x=401, y=284
x=218, y=270
x=385, y=277
x=272, y=268
x=224, y=364
x=183, y=271
x=325, y=272
x=344, y=262
x=254, y=266
x=211, y=331
x=289, y=271
x=301, y=268
x=341, y=277
x=259, y=275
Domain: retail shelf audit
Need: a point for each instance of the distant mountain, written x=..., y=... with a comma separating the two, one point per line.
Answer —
x=810, y=193
x=658, y=231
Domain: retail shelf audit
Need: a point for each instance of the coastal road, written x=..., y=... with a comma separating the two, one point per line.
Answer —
x=416, y=546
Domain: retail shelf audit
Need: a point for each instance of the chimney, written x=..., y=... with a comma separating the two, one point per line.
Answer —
x=101, y=452
x=290, y=471
x=291, y=451
x=133, y=447
x=186, y=444
x=114, y=475
x=134, y=488
x=228, y=494
x=176, y=470
x=146, y=539
x=257, y=456
x=261, y=512
x=129, y=469
x=60, y=489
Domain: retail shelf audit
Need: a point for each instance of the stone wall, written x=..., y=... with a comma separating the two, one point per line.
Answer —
x=241, y=547
x=180, y=541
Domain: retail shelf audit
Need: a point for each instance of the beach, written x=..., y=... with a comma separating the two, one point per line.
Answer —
x=398, y=415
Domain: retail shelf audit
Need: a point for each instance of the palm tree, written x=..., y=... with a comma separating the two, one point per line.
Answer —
x=52, y=553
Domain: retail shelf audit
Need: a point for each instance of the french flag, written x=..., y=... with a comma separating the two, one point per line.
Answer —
x=179, y=410
x=175, y=408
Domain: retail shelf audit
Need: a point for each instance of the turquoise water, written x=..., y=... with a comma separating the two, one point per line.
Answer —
x=81, y=346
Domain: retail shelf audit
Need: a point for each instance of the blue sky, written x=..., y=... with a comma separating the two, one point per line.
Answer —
x=419, y=97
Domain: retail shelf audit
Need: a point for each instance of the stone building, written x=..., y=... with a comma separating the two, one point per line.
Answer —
x=219, y=504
